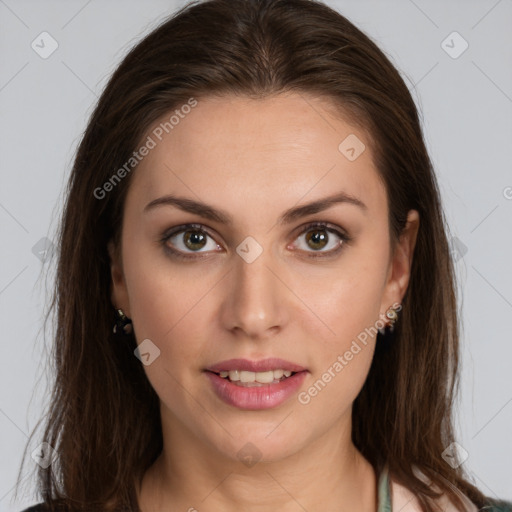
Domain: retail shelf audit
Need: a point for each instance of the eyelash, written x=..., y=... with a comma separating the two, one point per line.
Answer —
x=344, y=237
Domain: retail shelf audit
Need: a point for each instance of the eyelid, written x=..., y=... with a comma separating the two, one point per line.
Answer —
x=327, y=226
x=185, y=227
x=331, y=228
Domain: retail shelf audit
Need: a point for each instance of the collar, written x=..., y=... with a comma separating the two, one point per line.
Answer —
x=394, y=497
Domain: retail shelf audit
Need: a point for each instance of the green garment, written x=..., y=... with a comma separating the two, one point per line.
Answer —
x=384, y=492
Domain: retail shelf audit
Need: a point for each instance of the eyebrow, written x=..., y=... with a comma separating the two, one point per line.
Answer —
x=222, y=217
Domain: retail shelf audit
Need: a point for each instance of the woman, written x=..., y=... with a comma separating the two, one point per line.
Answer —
x=307, y=357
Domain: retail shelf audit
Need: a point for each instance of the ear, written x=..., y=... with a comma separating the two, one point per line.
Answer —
x=401, y=263
x=119, y=296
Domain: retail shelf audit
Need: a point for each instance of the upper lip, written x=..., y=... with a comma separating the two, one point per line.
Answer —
x=263, y=365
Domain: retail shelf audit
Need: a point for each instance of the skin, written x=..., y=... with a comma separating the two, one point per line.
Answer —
x=254, y=159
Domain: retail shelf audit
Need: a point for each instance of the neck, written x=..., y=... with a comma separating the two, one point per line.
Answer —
x=328, y=474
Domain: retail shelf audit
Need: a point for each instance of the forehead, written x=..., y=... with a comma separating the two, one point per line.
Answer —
x=273, y=150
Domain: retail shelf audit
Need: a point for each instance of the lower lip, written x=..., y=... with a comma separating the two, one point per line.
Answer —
x=266, y=396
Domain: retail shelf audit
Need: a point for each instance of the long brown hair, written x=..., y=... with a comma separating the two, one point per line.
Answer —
x=103, y=418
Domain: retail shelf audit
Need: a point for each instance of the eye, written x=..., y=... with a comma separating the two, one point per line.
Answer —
x=188, y=238
x=183, y=241
x=318, y=237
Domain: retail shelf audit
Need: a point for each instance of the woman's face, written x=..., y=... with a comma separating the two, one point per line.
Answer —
x=250, y=280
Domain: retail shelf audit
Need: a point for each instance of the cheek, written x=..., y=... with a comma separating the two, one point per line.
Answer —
x=342, y=357
x=350, y=306
x=163, y=301
x=330, y=393
x=166, y=308
x=350, y=300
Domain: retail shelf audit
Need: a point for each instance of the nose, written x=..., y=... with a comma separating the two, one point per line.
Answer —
x=255, y=304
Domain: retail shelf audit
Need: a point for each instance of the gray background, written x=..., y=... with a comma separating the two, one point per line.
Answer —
x=466, y=104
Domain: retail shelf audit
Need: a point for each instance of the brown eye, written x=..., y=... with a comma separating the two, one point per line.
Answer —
x=319, y=236
x=194, y=239
x=183, y=241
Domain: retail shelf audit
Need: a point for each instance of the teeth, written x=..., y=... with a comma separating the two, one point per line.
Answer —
x=246, y=377
x=234, y=375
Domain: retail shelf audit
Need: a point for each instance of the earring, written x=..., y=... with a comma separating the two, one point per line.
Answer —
x=123, y=324
x=392, y=316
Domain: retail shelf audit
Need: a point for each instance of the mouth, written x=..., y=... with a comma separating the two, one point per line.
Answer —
x=255, y=385
x=248, y=379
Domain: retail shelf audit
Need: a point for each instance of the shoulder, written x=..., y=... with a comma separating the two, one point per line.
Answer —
x=403, y=500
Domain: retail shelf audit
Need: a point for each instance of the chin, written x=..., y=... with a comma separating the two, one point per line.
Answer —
x=254, y=446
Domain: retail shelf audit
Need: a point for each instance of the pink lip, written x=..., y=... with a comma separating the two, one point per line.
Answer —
x=256, y=398
x=255, y=366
